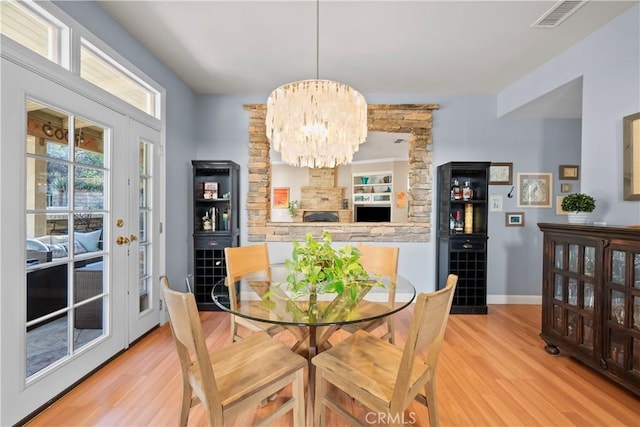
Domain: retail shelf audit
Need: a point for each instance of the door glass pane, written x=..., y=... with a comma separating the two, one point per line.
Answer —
x=557, y=288
x=572, y=298
x=616, y=347
x=589, y=260
x=588, y=296
x=89, y=293
x=636, y=270
x=145, y=179
x=571, y=325
x=587, y=333
x=47, y=343
x=618, y=267
x=617, y=307
x=636, y=313
x=573, y=258
x=559, y=253
x=557, y=318
x=636, y=356
x=64, y=225
x=89, y=188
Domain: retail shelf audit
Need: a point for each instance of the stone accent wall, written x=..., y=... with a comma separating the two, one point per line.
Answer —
x=415, y=119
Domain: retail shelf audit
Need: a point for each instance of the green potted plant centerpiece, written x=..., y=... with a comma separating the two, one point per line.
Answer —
x=316, y=268
x=578, y=206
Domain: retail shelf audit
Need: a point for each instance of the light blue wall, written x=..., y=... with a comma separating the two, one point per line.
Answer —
x=609, y=61
x=181, y=108
x=464, y=128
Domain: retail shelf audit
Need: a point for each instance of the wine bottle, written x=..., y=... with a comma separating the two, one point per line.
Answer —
x=458, y=225
x=456, y=192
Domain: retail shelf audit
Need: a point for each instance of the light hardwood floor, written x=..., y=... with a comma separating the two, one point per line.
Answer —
x=493, y=371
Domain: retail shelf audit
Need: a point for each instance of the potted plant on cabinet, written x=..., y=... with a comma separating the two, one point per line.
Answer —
x=578, y=206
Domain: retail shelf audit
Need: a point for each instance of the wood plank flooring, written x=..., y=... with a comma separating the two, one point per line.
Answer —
x=493, y=371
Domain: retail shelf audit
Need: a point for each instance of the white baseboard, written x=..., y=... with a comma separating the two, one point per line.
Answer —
x=514, y=299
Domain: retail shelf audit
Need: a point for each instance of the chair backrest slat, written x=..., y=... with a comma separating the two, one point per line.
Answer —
x=190, y=342
x=242, y=261
x=381, y=260
x=426, y=331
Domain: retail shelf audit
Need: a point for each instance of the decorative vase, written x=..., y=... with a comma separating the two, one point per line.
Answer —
x=578, y=217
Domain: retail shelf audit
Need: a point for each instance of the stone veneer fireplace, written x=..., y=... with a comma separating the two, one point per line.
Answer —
x=415, y=119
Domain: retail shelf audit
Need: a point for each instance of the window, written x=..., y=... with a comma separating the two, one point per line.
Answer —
x=45, y=30
x=33, y=28
x=97, y=68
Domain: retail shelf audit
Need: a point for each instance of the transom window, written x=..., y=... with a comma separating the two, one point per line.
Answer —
x=38, y=30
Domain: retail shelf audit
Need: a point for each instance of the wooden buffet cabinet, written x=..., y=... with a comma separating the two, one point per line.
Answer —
x=591, y=297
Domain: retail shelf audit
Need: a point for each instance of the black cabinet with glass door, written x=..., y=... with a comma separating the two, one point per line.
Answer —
x=216, y=218
x=462, y=233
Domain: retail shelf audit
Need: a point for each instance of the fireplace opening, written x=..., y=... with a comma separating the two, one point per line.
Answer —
x=320, y=217
x=372, y=214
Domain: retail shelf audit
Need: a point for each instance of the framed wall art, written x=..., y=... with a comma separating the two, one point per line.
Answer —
x=514, y=219
x=535, y=190
x=631, y=157
x=501, y=174
x=565, y=188
x=281, y=197
x=495, y=203
x=569, y=172
x=559, y=210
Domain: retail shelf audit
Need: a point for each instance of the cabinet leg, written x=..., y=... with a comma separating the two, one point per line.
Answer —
x=551, y=349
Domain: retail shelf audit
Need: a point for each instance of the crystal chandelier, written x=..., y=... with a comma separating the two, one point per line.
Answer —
x=316, y=123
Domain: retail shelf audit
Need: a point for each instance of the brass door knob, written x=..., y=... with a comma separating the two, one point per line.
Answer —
x=122, y=240
x=133, y=238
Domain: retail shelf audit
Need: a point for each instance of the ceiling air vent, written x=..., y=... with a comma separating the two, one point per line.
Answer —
x=558, y=14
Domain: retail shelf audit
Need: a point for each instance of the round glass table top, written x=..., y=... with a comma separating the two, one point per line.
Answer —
x=274, y=301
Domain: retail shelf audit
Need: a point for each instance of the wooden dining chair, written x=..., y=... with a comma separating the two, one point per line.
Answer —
x=236, y=378
x=381, y=376
x=380, y=261
x=252, y=261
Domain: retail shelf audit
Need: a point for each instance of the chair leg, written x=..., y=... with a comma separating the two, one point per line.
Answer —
x=432, y=404
x=391, y=330
x=319, y=408
x=234, y=330
x=185, y=405
x=298, y=395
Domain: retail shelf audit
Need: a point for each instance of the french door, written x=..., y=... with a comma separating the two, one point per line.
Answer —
x=78, y=251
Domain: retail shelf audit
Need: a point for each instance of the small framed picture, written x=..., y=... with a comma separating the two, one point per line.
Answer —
x=569, y=172
x=501, y=174
x=514, y=219
x=495, y=203
x=565, y=188
x=281, y=197
x=210, y=190
x=559, y=210
x=535, y=190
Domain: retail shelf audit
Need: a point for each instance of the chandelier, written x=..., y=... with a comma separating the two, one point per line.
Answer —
x=316, y=123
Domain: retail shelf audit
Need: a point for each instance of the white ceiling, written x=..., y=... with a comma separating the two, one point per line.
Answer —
x=430, y=47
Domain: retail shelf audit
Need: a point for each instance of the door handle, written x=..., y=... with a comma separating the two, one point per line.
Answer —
x=133, y=238
x=122, y=240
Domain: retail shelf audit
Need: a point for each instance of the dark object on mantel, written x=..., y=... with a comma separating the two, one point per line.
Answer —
x=320, y=217
x=591, y=297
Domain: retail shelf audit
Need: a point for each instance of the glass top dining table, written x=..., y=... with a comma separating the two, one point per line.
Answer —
x=273, y=301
